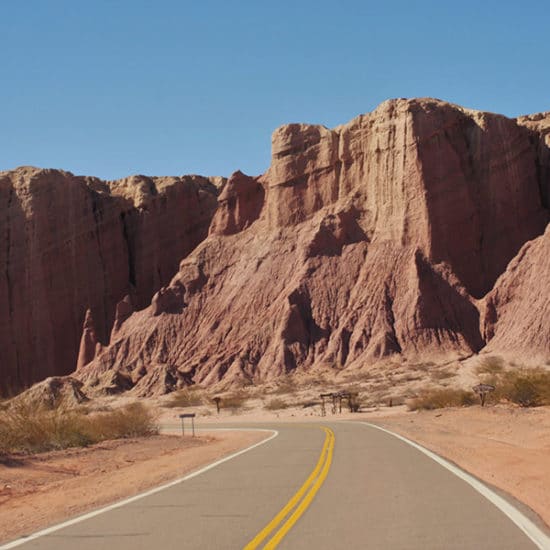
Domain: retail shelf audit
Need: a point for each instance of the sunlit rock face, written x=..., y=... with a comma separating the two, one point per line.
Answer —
x=71, y=244
x=384, y=237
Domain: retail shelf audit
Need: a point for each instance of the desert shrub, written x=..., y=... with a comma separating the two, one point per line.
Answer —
x=307, y=403
x=187, y=397
x=133, y=420
x=423, y=367
x=234, y=402
x=491, y=366
x=441, y=374
x=25, y=428
x=276, y=404
x=441, y=398
x=284, y=387
x=526, y=387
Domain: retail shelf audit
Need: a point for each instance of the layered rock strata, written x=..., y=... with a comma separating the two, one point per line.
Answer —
x=378, y=238
x=71, y=244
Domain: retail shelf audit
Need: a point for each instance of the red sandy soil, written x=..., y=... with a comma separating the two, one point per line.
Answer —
x=47, y=488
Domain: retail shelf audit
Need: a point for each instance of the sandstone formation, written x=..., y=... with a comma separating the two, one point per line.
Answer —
x=55, y=391
x=517, y=314
x=71, y=244
x=378, y=238
x=540, y=124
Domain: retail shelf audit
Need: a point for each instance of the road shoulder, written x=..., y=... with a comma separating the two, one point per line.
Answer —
x=44, y=489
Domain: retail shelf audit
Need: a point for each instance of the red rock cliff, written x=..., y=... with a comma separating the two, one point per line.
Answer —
x=75, y=243
x=372, y=239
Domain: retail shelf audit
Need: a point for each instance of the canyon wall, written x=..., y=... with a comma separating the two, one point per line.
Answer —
x=71, y=244
x=389, y=236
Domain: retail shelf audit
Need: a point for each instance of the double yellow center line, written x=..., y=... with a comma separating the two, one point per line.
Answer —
x=299, y=503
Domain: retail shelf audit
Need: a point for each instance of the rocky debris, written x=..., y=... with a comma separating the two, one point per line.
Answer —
x=374, y=240
x=55, y=391
x=72, y=243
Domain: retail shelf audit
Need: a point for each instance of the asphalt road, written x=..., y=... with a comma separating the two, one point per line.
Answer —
x=353, y=487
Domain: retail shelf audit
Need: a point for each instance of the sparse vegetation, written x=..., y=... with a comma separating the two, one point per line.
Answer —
x=491, y=366
x=284, y=387
x=526, y=387
x=442, y=374
x=25, y=428
x=188, y=397
x=276, y=404
x=234, y=402
x=306, y=404
x=441, y=398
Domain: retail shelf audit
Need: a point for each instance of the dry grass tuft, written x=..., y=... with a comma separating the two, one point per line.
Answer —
x=285, y=387
x=441, y=398
x=526, y=387
x=188, y=397
x=276, y=404
x=24, y=428
x=442, y=374
x=492, y=365
x=234, y=402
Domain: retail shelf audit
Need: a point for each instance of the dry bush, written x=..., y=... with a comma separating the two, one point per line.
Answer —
x=358, y=377
x=276, y=404
x=525, y=387
x=423, y=367
x=441, y=398
x=492, y=366
x=187, y=397
x=234, y=402
x=442, y=374
x=307, y=403
x=284, y=387
x=25, y=428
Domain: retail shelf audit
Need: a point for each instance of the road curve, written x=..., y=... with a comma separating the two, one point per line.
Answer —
x=314, y=486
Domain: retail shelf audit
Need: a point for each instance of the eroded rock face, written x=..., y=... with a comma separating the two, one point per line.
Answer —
x=239, y=205
x=540, y=125
x=55, y=391
x=517, y=310
x=72, y=243
x=376, y=238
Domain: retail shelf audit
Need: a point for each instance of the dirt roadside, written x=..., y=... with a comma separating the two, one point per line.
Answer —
x=40, y=490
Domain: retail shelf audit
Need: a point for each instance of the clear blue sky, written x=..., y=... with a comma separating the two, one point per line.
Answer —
x=112, y=88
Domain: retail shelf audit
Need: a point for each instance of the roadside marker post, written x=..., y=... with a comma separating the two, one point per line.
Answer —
x=482, y=390
x=183, y=417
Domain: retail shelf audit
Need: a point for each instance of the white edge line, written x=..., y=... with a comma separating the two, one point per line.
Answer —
x=47, y=531
x=541, y=540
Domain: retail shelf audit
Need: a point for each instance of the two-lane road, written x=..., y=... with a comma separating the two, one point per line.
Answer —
x=313, y=486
